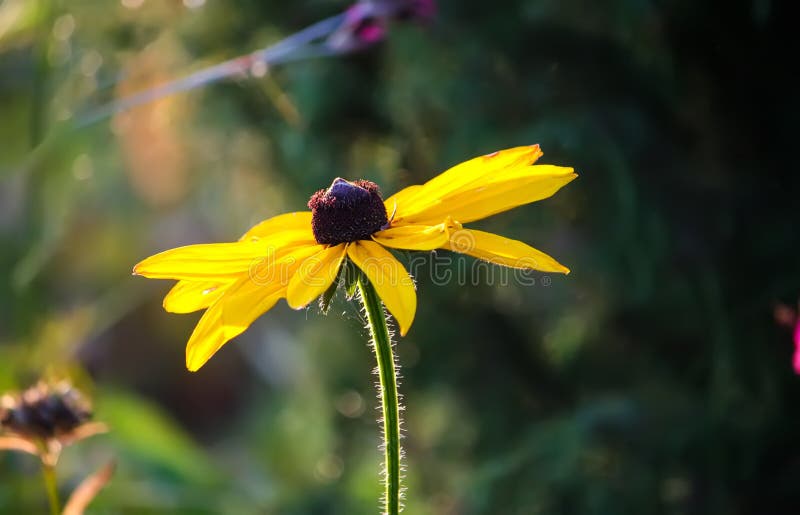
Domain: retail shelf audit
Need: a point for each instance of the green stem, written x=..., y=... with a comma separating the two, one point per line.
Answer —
x=50, y=484
x=382, y=343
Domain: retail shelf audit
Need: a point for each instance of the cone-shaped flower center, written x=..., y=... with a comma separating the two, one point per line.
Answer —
x=347, y=211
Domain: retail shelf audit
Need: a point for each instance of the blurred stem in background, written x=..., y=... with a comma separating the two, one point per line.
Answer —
x=40, y=75
x=376, y=320
x=51, y=485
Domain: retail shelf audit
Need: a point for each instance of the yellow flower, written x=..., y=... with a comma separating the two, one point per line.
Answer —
x=297, y=256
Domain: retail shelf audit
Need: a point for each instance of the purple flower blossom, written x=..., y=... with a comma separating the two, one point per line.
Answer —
x=796, y=360
x=366, y=22
x=789, y=317
x=361, y=26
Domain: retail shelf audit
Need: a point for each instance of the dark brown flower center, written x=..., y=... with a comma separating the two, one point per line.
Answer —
x=347, y=211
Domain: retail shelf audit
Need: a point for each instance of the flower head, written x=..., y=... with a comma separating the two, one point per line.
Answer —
x=43, y=418
x=297, y=256
x=366, y=21
x=44, y=411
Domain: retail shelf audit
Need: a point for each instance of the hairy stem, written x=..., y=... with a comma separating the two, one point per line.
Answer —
x=382, y=343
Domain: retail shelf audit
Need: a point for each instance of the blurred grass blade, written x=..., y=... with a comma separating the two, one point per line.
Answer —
x=289, y=49
x=88, y=490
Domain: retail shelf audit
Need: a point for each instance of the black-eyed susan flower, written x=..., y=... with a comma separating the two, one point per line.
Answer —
x=298, y=256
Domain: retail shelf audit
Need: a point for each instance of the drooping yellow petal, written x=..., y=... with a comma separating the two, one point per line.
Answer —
x=387, y=275
x=509, y=190
x=467, y=175
x=298, y=221
x=241, y=303
x=502, y=251
x=227, y=318
x=218, y=262
x=191, y=296
x=314, y=276
x=412, y=237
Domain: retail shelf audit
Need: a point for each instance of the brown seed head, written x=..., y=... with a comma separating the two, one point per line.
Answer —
x=44, y=411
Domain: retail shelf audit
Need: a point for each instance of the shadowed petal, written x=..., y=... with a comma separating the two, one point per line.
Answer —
x=387, y=275
x=403, y=197
x=413, y=237
x=314, y=276
x=502, y=251
x=243, y=302
x=299, y=221
x=227, y=318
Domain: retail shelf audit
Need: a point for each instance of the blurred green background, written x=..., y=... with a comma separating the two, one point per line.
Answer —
x=651, y=380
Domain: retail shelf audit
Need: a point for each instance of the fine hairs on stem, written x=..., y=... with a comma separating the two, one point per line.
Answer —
x=389, y=398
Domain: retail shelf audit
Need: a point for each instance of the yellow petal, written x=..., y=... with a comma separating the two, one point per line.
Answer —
x=242, y=302
x=227, y=318
x=219, y=262
x=513, y=188
x=412, y=237
x=402, y=197
x=502, y=251
x=387, y=275
x=314, y=276
x=190, y=296
x=213, y=261
x=299, y=221
x=467, y=175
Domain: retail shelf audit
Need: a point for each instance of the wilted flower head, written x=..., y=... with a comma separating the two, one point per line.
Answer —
x=43, y=418
x=44, y=411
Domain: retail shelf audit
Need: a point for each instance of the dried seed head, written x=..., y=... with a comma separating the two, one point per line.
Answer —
x=347, y=211
x=44, y=411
